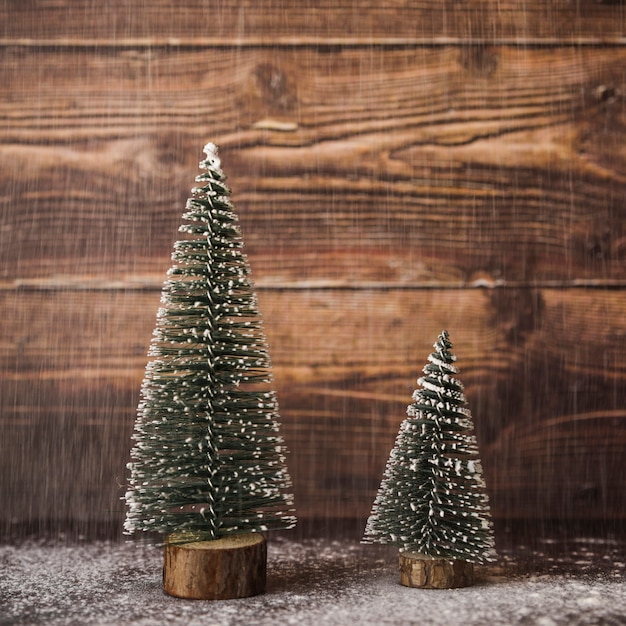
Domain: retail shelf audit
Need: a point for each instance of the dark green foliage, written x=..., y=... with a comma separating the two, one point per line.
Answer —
x=432, y=498
x=208, y=458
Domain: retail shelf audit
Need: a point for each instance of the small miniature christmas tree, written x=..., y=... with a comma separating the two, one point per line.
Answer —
x=432, y=502
x=208, y=460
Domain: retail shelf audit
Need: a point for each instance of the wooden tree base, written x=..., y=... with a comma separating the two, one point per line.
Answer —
x=229, y=567
x=417, y=570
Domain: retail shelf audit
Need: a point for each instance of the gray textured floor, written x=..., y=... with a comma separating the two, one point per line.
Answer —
x=309, y=582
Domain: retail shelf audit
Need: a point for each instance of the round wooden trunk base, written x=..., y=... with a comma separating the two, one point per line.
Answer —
x=229, y=567
x=427, y=573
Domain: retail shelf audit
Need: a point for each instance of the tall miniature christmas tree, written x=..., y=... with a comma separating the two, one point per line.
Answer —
x=432, y=501
x=208, y=461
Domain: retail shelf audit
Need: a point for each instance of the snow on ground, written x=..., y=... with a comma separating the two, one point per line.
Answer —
x=309, y=582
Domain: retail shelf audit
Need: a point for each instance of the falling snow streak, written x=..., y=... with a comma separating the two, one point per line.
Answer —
x=432, y=498
x=208, y=458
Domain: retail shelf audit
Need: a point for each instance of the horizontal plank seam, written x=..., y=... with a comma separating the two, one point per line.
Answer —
x=42, y=286
x=310, y=42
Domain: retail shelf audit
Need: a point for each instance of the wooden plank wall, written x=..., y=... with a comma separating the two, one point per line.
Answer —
x=399, y=167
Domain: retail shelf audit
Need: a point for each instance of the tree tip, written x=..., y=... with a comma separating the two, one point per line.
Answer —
x=211, y=150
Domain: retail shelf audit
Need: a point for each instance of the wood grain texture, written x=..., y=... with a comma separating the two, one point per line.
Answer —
x=226, y=568
x=543, y=371
x=427, y=573
x=429, y=166
x=398, y=167
x=271, y=22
